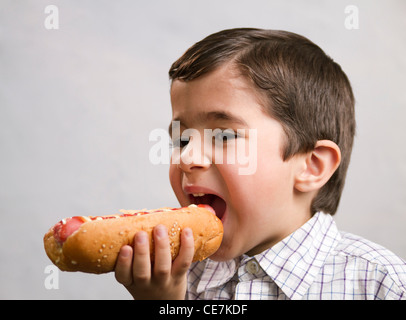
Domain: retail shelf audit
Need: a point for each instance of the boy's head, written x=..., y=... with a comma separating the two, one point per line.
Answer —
x=296, y=87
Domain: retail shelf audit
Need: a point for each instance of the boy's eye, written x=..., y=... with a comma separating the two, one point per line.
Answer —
x=225, y=135
x=180, y=142
x=219, y=135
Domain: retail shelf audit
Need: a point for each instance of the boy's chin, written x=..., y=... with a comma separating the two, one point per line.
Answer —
x=222, y=255
x=219, y=258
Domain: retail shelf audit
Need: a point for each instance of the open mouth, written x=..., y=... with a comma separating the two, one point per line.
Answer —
x=217, y=203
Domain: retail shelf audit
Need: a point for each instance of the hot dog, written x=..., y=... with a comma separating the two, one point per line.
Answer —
x=92, y=243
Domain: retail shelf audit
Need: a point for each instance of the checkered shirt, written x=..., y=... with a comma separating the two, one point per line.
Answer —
x=314, y=262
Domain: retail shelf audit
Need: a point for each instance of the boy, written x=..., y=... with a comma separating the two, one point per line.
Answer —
x=280, y=241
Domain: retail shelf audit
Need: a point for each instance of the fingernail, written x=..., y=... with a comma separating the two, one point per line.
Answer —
x=141, y=238
x=188, y=232
x=161, y=231
x=125, y=252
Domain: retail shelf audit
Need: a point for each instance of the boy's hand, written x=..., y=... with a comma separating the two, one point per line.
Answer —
x=163, y=280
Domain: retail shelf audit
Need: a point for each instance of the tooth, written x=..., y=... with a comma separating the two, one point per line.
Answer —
x=198, y=194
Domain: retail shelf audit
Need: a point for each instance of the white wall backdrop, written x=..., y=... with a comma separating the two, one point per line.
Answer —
x=77, y=105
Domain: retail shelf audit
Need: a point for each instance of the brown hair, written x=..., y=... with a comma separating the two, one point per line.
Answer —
x=306, y=91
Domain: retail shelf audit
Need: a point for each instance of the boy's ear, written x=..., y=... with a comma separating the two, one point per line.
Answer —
x=318, y=166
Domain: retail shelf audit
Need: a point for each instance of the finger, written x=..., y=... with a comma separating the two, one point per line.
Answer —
x=141, y=261
x=163, y=259
x=123, y=270
x=186, y=252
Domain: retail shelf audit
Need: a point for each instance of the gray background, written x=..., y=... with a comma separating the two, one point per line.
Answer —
x=77, y=105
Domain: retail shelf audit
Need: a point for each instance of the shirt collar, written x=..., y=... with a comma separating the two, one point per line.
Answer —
x=292, y=263
x=216, y=274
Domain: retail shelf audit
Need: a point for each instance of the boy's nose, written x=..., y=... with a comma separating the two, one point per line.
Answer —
x=193, y=156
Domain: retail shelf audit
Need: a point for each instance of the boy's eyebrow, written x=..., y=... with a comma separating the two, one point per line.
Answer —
x=225, y=116
x=213, y=116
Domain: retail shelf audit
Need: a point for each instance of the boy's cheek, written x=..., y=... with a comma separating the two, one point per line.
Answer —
x=173, y=176
x=175, y=180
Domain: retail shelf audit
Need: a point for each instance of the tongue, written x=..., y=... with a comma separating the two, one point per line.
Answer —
x=207, y=207
x=214, y=201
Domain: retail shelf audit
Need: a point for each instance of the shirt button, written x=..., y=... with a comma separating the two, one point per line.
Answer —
x=252, y=267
